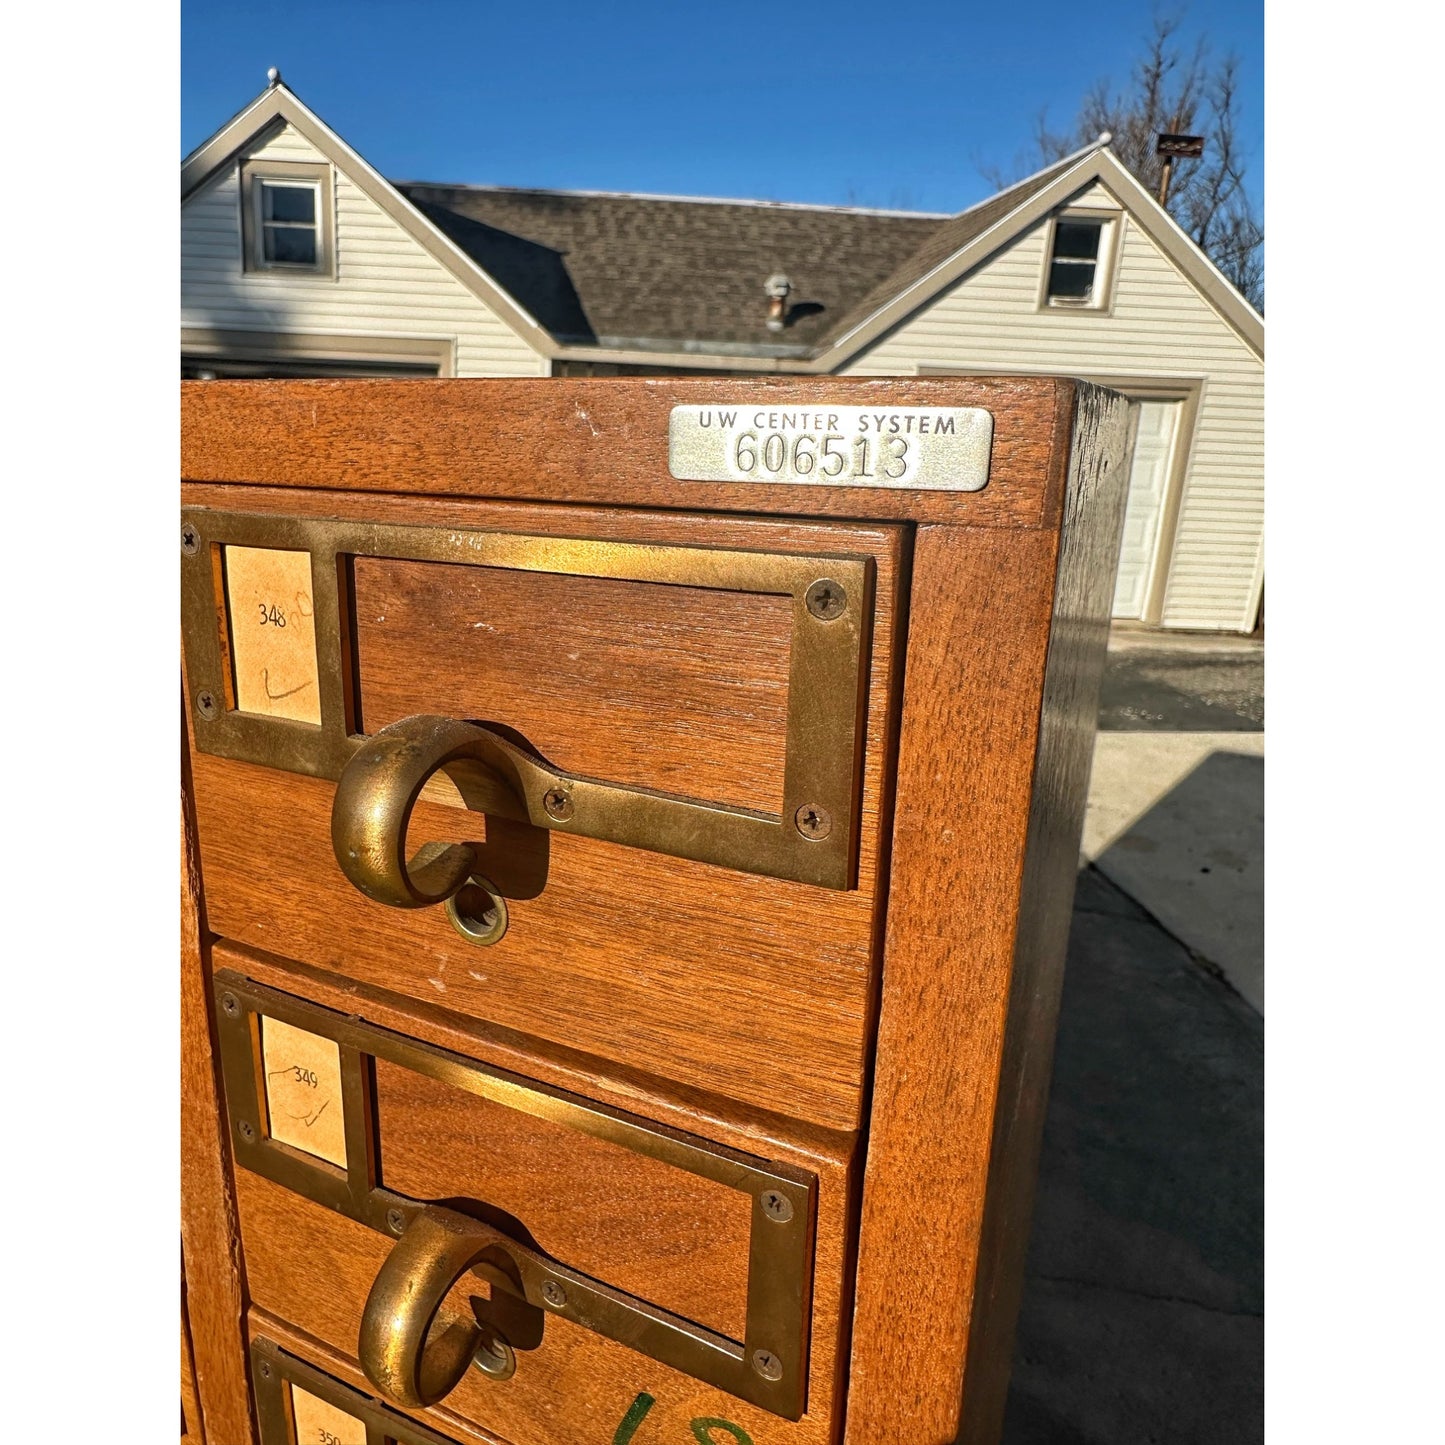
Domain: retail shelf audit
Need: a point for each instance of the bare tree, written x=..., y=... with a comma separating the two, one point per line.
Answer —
x=1181, y=92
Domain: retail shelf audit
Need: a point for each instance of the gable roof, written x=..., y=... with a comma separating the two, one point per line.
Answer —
x=942, y=243
x=974, y=235
x=590, y=273
x=277, y=106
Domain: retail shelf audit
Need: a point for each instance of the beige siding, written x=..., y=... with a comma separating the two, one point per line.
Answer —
x=386, y=283
x=1160, y=326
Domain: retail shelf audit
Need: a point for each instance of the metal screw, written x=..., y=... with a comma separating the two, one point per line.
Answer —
x=395, y=1220
x=248, y=1131
x=229, y=1005
x=190, y=539
x=813, y=821
x=206, y=705
x=825, y=599
x=495, y=1357
x=777, y=1206
x=265, y=1370
x=558, y=803
x=767, y=1364
x=554, y=1294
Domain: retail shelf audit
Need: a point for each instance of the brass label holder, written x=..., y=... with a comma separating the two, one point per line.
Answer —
x=813, y=840
x=768, y=1367
x=273, y=1369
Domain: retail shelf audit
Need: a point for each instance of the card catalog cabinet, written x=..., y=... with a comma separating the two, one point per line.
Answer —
x=629, y=832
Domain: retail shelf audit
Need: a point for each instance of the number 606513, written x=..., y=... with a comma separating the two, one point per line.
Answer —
x=794, y=456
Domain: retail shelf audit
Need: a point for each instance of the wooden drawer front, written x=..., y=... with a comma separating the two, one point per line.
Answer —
x=681, y=689
x=722, y=979
x=690, y=1271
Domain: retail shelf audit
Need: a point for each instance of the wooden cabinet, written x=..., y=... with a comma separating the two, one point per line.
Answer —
x=625, y=897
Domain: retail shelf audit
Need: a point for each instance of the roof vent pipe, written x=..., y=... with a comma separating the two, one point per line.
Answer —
x=776, y=289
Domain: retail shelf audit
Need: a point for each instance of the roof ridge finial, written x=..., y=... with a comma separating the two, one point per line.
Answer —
x=274, y=76
x=1105, y=136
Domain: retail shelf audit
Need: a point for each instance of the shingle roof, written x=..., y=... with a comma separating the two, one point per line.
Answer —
x=626, y=270
x=656, y=273
x=946, y=239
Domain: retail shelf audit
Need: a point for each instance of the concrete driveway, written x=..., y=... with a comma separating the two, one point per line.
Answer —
x=1142, y=1321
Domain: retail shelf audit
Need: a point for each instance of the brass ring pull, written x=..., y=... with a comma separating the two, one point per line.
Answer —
x=438, y=1248
x=380, y=785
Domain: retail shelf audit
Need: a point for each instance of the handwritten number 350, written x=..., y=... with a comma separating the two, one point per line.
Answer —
x=702, y=1427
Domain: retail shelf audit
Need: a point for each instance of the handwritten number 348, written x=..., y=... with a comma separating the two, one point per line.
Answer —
x=272, y=614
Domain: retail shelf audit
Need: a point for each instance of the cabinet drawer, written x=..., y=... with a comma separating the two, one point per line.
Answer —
x=609, y=1247
x=729, y=706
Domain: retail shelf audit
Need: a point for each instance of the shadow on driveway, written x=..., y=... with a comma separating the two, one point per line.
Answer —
x=1142, y=1315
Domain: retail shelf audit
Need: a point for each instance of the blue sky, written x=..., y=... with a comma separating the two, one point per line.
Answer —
x=893, y=104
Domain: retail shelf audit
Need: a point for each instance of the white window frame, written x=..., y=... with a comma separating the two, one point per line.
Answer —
x=1100, y=299
x=255, y=176
x=258, y=197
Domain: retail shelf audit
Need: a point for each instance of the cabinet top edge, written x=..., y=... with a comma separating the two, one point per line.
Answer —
x=605, y=441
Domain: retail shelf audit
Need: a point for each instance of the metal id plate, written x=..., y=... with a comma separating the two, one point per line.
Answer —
x=907, y=448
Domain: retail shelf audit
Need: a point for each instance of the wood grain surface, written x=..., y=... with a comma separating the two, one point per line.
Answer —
x=679, y=689
x=831, y=1158
x=313, y=1269
x=601, y=441
x=210, y=1240
x=724, y=1121
x=728, y=983
x=191, y=1433
x=580, y=1198
x=1078, y=640
x=992, y=774
x=965, y=768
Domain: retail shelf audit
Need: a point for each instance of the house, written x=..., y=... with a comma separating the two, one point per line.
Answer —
x=299, y=259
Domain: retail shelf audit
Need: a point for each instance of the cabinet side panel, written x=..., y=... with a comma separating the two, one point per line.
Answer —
x=978, y=637
x=190, y=1405
x=1088, y=555
x=210, y=1240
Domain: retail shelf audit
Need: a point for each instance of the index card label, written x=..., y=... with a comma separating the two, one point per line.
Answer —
x=303, y=1090
x=273, y=634
x=320, y=1423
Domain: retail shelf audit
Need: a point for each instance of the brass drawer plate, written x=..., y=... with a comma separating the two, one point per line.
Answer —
x=768, y=1367
x=812, y=840
x=274, y=1374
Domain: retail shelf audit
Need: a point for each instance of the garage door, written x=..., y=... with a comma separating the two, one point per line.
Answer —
x=1148, y=482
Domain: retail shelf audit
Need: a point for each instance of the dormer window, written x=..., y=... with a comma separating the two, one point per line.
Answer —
x=286, y=217
x=1081, y=253
x=287, y=221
